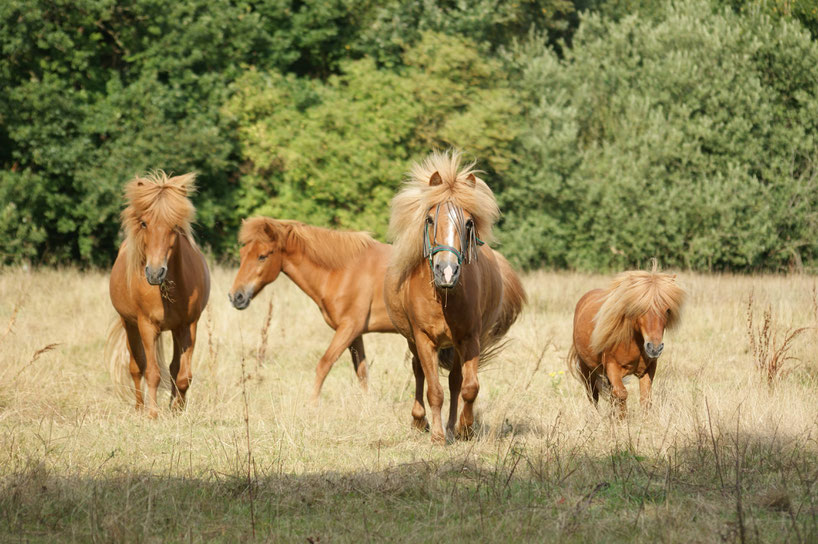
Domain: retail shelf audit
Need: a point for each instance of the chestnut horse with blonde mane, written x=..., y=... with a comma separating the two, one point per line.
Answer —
x=342, y=272
x=619, y=331
x=444, y=288
x=159, y=282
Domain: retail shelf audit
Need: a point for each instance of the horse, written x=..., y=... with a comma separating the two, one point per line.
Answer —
x=159, y=282
x=619, y=332
x=342, y=272
x=447, y=292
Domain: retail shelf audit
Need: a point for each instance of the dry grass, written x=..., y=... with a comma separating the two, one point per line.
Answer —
x=771, y=347
x=721, y=457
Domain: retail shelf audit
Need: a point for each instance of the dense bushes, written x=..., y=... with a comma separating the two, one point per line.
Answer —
x=690, y=136
x=682, y=130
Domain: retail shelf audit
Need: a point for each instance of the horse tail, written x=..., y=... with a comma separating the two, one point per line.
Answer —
x=573, y=363
x=119, y=361
x=445, y=358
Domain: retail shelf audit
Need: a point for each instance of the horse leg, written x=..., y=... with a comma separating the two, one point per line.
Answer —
x=427, y=353
x=589, y=381
x=150, y=336
x=356, y=349
x=341, y=341
x=470, y=350
x=455, y=383
x=174, y=365
x=137, y=364
x=184, y=340
x=418, y=409
x=645, y=386
x=619, y=395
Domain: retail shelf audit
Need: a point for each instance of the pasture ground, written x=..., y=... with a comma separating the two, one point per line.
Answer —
x=721, y=457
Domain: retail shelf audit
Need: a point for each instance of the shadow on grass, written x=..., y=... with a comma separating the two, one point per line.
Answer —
x=712, y=489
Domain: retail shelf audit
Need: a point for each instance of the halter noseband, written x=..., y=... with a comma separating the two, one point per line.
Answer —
x=468, y=238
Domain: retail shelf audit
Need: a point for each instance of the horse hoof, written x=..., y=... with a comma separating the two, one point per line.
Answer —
x=438, y=438
x=421, y=425
x=465, y=432
x=153, y=414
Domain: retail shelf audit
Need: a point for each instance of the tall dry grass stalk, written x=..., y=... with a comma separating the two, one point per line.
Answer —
x=261, y=352
x=770, y=355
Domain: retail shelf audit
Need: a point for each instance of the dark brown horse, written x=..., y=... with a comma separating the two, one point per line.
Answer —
x=159, y=282
x=444, y=289
x=619, y=331
x=342, y=272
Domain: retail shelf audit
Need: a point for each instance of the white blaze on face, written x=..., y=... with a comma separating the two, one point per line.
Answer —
x=449, y=237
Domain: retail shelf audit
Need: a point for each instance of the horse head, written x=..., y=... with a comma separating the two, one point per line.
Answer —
x=449, y=238
x=158, y=212
x=261, y=260
x=652, y=326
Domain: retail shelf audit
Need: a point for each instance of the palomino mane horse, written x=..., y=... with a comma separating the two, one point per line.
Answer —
x=619, y=331
x=342, y=272
x=444, y=287
x=159, y=282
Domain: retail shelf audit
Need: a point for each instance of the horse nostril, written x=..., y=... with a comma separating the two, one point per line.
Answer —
x=649, y=346
x=661, y=346
x=239, y=297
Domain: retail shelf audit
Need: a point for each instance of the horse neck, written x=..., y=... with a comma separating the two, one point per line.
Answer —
x=176, y=262
x=308, y=275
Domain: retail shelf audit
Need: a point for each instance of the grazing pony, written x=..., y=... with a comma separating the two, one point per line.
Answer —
x=342, y=272
x=618, y=332
x=448, y=293
x=159, y=282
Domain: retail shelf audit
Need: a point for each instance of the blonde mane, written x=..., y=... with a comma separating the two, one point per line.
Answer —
x=326, y=247
x=412, y=203
x=155, y=198
x=630, y=296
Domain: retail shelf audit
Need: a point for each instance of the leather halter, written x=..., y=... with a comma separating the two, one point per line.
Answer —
x=468, y=237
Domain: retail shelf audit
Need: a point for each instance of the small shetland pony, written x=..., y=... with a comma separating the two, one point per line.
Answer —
x=444, y=289
x=159, y=282
x=342, y=272
x=618, y=332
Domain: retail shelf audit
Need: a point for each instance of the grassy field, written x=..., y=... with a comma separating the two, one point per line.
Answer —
x=721, y=457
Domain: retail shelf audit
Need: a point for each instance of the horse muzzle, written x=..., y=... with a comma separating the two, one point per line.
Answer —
x=446, y=274
x=156, y=276
x=654, y=350
x=241, y=298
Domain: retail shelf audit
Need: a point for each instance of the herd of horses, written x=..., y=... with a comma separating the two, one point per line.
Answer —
x=439, y=284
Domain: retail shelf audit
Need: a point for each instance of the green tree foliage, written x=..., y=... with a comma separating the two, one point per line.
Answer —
x=333, y=153
x=684, y=130
x=690, y=137
x=96, y=91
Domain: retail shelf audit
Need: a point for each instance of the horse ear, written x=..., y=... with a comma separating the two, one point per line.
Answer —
x=471, y=180
x=435, y=179
x=270, y=231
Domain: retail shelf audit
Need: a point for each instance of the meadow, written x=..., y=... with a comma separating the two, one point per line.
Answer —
x=721, y=457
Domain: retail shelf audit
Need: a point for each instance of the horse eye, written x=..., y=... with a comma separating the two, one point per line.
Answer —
x=262, y=258
x=429, y=220
x=469, y=224
x=144, y=225
x=668, y=311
